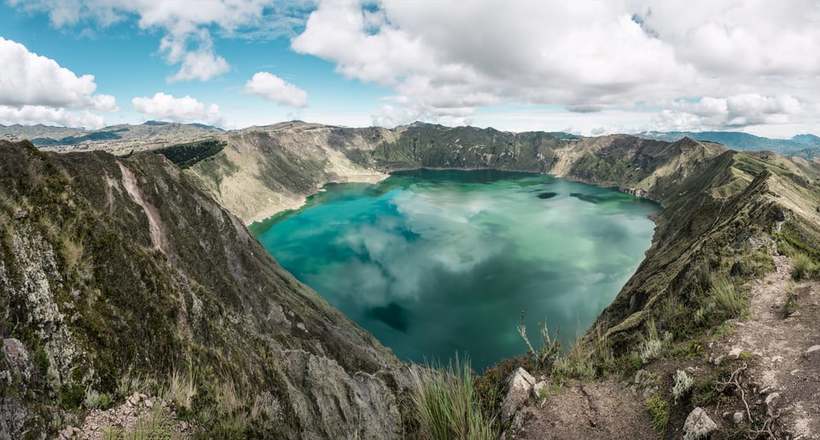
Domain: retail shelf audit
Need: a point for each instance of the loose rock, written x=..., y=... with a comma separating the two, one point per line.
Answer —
x=738, y=417
x=519, y=388
x=698, y=425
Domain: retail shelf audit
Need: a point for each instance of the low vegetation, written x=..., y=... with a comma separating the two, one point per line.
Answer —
x=722, y=301
x=803, y=267
x=447, y=406
x=187, y=155
x=550, y=350
x=653, y=346
x=683, y=384
x=658, y=409
x=156, y=425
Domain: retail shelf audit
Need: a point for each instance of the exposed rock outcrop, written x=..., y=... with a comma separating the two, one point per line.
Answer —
x=121, y=268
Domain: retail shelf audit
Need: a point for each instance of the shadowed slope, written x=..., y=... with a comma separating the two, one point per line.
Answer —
x=114, y=267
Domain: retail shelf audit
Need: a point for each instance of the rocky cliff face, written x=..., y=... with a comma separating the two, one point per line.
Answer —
x=118, y=274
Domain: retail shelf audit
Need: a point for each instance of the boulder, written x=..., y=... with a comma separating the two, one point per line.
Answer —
x=17, y=358
x=698, y=425
x=519, y=387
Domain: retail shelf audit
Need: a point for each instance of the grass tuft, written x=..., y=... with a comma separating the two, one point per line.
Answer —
x=181, y=390
x=728, y=299
x=658, y=409
x=153, y=426
x=803, y=267
x=447, y=406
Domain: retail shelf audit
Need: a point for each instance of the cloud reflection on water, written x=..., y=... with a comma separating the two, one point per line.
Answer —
x=434, y=265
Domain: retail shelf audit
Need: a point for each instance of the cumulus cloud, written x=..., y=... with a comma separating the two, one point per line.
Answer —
x=734, y=111
x=166, y=107
x=440, y=61
x=275, y=89
x=36, y=90
x=585, y=56
x=38, y=114
x=186, y=26
x=31, y=79
x=200, y=64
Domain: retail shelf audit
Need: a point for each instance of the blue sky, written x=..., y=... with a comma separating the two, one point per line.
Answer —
x=597, y=67
x=126, y=62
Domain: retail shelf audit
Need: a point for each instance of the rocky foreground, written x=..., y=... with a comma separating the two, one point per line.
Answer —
x=135, y=274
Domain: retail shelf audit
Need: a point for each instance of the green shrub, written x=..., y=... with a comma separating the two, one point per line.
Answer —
x=723, y=301
x=446, y=404
x=728, y=299
x=658, y=409
x=652, y=347
x=753, y=263
x=803, y=267
x=72, y=396
x=96, y=400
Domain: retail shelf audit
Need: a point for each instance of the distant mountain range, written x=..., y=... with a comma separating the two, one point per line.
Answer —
x=115, y=138
x=158, y=134
x=804, y=145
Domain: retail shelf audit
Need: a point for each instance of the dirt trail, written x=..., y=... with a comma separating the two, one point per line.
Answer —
x=597, y=410
x=788, y=378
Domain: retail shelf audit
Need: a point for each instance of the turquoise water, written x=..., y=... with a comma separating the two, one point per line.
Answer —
x=435, y=263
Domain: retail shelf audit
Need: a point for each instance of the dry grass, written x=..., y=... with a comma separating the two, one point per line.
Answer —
x=156, y=425
x=803, y=267
x=181, y=390
x=447, y=405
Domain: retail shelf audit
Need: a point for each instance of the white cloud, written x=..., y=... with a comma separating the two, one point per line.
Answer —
x=38, y=114
x=275, y=89
x=628, y=55
x=31, y=79
x=735, y=111
x=36, y=90
x=198, y=64
x=166, y=107
x=186, y=25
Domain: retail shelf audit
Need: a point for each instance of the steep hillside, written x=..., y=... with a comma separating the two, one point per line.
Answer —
x=118, y=276
x=727, y=223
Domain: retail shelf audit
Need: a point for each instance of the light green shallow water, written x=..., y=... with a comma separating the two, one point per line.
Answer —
x=435, y=263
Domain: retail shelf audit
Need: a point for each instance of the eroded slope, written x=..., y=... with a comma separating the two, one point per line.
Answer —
x=118, y=274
